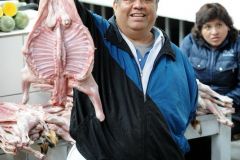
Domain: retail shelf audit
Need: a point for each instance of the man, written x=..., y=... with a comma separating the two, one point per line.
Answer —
x=147, y=88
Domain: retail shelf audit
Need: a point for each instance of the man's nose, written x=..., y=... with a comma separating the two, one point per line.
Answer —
x=139, y=3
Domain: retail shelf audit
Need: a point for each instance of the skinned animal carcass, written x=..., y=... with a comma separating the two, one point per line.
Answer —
x=59, y=55
x=21, y=125
x=211, y=101
x=15, y=123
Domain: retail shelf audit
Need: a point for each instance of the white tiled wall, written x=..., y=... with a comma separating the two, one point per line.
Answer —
x=11, y=62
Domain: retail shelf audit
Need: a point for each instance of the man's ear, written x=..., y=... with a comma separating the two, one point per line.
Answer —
x=114, y=6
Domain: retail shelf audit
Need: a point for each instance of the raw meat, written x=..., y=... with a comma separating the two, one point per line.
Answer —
x=60, y=53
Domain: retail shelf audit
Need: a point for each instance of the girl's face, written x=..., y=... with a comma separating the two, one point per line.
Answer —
x=214, y=32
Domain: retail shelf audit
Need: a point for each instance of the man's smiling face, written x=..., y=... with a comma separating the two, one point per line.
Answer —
x=137, y=15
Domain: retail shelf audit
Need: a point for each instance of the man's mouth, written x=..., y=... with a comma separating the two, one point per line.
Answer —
x=137, y=15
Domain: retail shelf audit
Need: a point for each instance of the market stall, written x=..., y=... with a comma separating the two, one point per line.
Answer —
x=11, y=91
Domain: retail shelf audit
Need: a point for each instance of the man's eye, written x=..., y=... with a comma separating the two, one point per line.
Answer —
x=150, y=1
x=128, y=1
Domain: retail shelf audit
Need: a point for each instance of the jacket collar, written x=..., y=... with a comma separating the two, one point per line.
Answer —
x=114, y=36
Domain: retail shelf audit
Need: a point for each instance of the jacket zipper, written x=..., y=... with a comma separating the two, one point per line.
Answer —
x=140, y=74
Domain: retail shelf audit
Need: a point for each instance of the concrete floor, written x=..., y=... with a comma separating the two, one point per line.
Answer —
x=235, y=150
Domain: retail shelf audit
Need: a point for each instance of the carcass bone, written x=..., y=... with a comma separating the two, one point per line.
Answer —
x=214, y=96
x=59, y=53
x=209, y=99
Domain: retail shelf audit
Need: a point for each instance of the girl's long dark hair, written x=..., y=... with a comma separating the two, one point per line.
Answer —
x=211, y=11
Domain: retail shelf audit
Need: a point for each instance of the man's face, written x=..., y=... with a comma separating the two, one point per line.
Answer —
x=135, y=15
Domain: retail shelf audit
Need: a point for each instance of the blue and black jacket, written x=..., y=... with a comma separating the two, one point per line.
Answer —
x=136, y=127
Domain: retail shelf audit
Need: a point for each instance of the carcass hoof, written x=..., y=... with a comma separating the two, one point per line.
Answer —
x=100, y=116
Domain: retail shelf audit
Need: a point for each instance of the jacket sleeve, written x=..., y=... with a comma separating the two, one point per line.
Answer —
x=186, y=44
x=87, y=18
x=193, y=88
x=96, y=24
x=235, y=93
x=83, y=12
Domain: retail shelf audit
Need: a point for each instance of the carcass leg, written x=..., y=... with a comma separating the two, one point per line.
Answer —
x=221, y=117
x=26, y=77
x=90, y=87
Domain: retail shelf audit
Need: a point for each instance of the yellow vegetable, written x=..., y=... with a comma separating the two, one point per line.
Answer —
x=10, y=9
x=1, y=11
